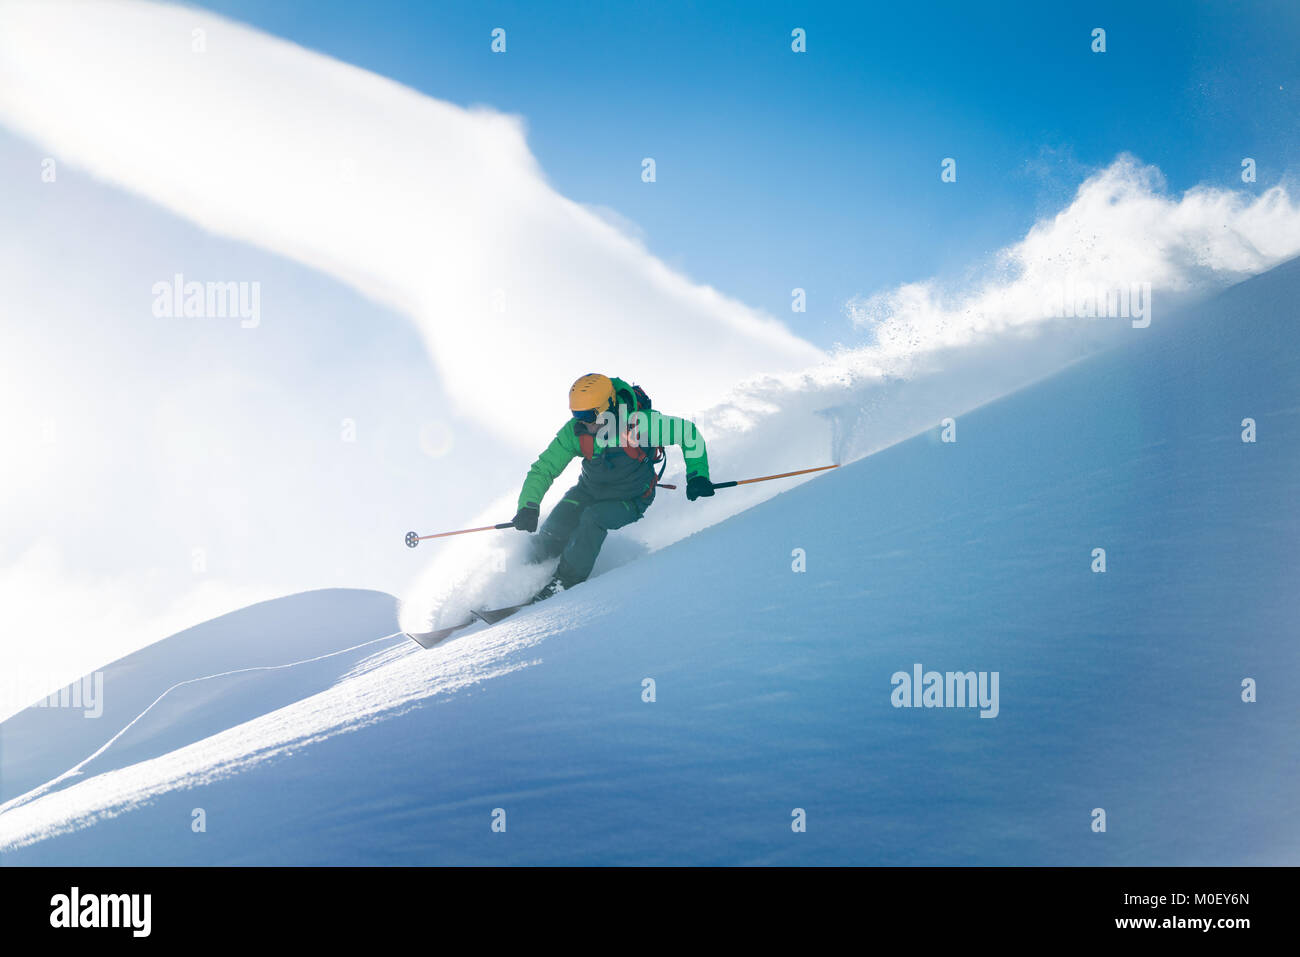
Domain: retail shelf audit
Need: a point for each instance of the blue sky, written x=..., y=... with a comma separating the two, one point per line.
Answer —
x=821, y=170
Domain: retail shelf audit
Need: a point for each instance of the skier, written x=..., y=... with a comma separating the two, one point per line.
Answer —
x=620, y=439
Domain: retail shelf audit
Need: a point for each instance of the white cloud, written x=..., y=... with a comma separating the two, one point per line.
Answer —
x=439, y=211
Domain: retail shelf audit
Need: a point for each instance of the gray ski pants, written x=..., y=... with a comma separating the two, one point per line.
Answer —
x=576, y=530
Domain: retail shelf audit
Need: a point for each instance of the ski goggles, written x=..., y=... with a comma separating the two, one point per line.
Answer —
x=586, y=415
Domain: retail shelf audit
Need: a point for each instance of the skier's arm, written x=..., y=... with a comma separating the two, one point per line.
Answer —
x=553, y=460
x=673, y=430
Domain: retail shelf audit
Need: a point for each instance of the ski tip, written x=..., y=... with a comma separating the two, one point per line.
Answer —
x=427, y=639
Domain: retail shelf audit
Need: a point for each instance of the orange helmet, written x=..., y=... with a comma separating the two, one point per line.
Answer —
x=590, y=396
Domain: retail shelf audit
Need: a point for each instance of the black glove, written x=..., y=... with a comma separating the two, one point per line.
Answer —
x=698, y=487
x=526, y=518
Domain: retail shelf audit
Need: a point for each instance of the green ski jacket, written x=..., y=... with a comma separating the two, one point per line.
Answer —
x=612, y=473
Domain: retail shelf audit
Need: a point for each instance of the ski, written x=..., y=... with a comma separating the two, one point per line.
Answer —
x=493, y=615
x=489, y=616
x=427, y=639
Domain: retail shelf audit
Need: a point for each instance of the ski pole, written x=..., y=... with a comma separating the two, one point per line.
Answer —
x=413, y=539
x=768, y=478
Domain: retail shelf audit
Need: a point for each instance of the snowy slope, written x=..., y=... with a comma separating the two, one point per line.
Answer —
x=196, y=683
x=1119, y=691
